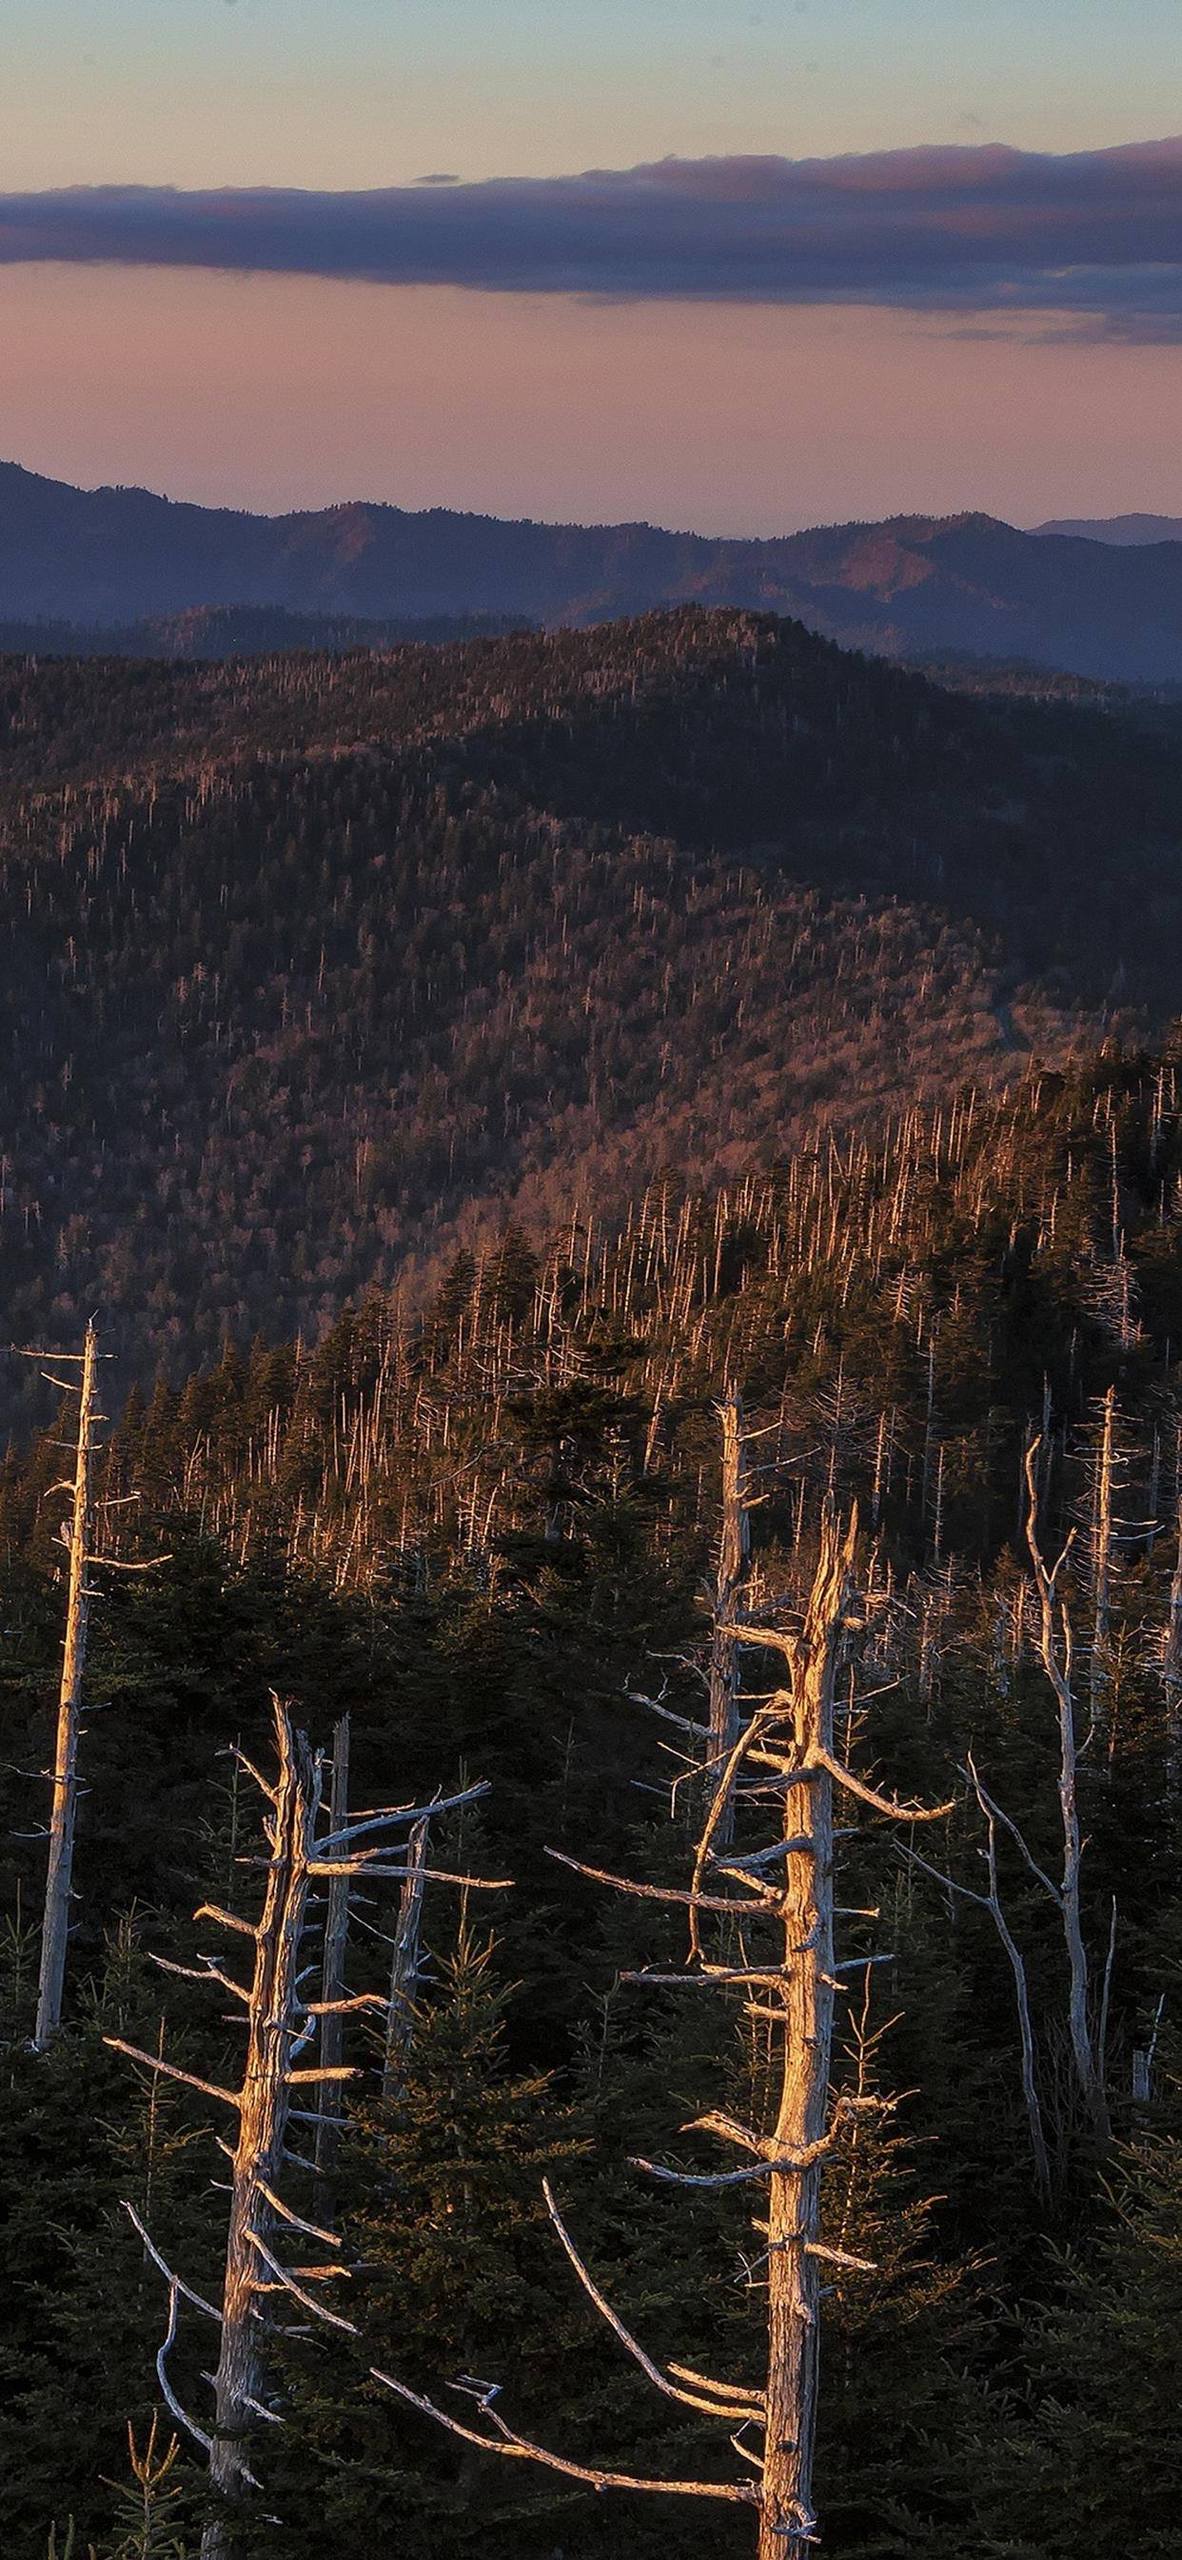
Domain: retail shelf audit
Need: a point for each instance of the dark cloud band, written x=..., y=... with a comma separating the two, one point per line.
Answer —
x=1097, y=234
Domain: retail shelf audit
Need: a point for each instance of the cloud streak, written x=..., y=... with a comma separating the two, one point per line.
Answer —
x=977, y=229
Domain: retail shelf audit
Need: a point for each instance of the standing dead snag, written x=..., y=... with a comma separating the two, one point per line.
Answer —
x=802, y=2132
x=277, y=2027
x=1102, y=1545
x=407, y=1957
x=336, y=1933
x=992, y=1903
x=1171, y=1665
x=1056, y=1646
x=78, y=1538
x=782, y=1896
x=1056, y=1650
x=274, y=2037
x=60, y=1864
x=734, y=1555
x=280, y=2024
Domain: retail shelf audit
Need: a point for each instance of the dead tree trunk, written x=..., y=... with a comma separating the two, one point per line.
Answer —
x=1056, y=1645
x=1100, y=1668
x=1172, y=1669
x=992, y=1903
x=336, y=1934
x=407, y=1957
x=272, y=2036
x=1056, y=1650
x=60, y=1866
x=805, y=2032
x=280, y=2024
x=734, y=1555
x=785, y=1753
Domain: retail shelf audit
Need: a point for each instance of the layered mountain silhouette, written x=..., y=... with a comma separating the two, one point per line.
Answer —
x=913, y=587
x=1128, y=531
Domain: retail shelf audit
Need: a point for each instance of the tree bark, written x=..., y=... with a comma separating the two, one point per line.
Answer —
x=404, y=1968
x=787, y=2519
x=1172, y=1669
x=336, y=1935
x=1102, y=1557
x=263, y=2114
x=1057, y=1653
x=60, y=1865
x=734, y=1553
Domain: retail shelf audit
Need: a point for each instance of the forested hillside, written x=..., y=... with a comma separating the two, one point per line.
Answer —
x=316, y=968
x=489, y=1528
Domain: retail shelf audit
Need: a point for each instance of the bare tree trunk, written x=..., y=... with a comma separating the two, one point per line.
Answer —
x=1057, y=1650
x=1083, y=2051
x=1172, y=1669
x=407, y=1958
x=789, y=1734
x=1102, y=1557
x=993, y=1904
x=1030, y=2098
x=336, y=1934
x=787, y=2519
x=263, y=2110
x=280, y=2023
x=734, y=1554
x=56, y=1927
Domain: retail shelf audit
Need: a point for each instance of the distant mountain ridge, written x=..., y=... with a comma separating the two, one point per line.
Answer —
x=1130, y=532
x=912, y=587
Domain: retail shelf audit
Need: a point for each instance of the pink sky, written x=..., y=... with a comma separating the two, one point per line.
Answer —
x=275, y=392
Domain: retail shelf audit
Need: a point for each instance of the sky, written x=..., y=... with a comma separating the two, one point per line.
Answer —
x=705, y=333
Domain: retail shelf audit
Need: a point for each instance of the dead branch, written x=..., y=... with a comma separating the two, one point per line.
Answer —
x=672, y=2390
x=520, y=2448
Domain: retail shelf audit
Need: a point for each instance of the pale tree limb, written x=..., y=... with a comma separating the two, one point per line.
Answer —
x=514, y=2447
x=992, y=1903
x=716, y=1817
x=204, y=1971
x=197, y=2299
x=176, y=2288
x=653, y=1892
x=661, y=2382
x=287, y=2284
x=384, y=1815
x=154, y=2062
x=888, y=1805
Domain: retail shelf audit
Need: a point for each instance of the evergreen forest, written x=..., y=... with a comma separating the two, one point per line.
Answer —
x=591, y=1542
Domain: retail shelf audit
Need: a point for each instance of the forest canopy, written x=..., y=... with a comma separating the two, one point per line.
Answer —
x=487, y=1527
x=320, y=969
x=591, y=1561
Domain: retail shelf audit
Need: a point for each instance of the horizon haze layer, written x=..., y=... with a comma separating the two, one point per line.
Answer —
x=1129, y=530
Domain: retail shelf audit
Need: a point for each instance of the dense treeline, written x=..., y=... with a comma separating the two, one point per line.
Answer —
x=315, y=968
x=482, y=1525
x=241, y=631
